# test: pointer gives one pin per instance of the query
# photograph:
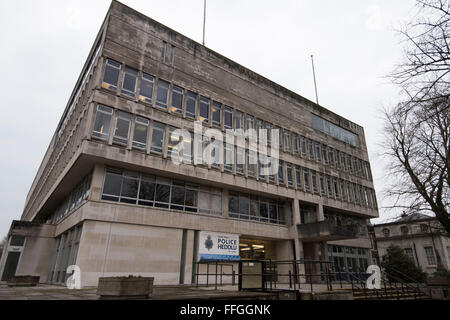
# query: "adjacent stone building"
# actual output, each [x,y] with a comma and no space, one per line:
[108,198]
[421,237]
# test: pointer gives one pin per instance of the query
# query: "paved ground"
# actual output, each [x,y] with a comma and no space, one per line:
[54,292]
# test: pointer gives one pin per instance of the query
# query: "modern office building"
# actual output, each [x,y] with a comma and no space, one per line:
[109,199]
[421,237]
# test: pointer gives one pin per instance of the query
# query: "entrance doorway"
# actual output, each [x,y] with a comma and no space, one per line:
[13,252]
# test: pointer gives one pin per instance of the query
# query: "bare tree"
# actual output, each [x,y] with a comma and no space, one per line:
[425,68]
[417,130]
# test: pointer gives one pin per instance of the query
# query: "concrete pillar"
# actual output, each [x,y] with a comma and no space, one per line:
[320,215]
[98,175]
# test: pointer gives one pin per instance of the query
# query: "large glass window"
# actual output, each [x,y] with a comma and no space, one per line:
[294,143]
[306,179]
[310,149]
[162,93]
[140,133]
[111,76]
[158,133]
[250,122]
[204,109]
[122,129]
[286,142]
[146,92]
[318,152]
[129,81]
[245,206]
[251,163]
[334,130]
[290,177]
[191,105]
[228,157]
[102,122]
[177,100]
[303,145]
[314,181]
[240,159]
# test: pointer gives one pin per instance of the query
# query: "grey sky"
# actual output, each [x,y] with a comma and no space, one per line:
[45,44]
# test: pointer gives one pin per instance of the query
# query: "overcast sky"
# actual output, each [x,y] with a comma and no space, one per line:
[44,45]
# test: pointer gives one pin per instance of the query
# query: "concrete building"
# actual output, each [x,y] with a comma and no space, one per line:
[420,236]
[108,198]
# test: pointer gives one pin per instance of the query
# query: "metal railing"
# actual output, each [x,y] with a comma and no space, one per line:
[309,275]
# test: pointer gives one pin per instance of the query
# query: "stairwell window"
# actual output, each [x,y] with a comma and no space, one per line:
[102,122]
[111,76]
[129,81]
[146,92]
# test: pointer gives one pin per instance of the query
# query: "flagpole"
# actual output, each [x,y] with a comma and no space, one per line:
[204,20]
[314,76]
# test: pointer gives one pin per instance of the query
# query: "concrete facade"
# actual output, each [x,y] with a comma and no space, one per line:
[107,237]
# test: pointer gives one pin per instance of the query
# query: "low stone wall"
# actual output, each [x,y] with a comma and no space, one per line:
[125,287]
[23,281]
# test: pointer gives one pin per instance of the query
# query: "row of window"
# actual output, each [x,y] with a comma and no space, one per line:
[249,207]
[152,191]
[79,193]
[236,159]
[177,100]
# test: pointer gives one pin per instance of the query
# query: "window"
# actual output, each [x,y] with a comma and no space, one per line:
[404,230]
[336,188]
[286,142]
[245,206]
[306,179]
[228,118]
[331,156]
[191,105]
[240,154]
[338,159]
[158,133]
[329,189]
[162,94]
[210,202]
[409,253]
[269,133]
[343,162]
[322,185]
[343,189]
[294,143]
[129,81]
[238,120]
[177,100]
[217,113]
[122,130]
[172,55]
[290,177]
[318,152]
[335,131]
[259,126]
[111,76]
[102,122]
[314,181]
[250,122]
[386,232]
[280,172]
[163,52]
[140,133]
[228,157]
[174,140]
[423,227]
[146,92]
[298,176]
[311,151]
[303,146]
[204,109]
[430,256]
[325,154]
[251,163]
